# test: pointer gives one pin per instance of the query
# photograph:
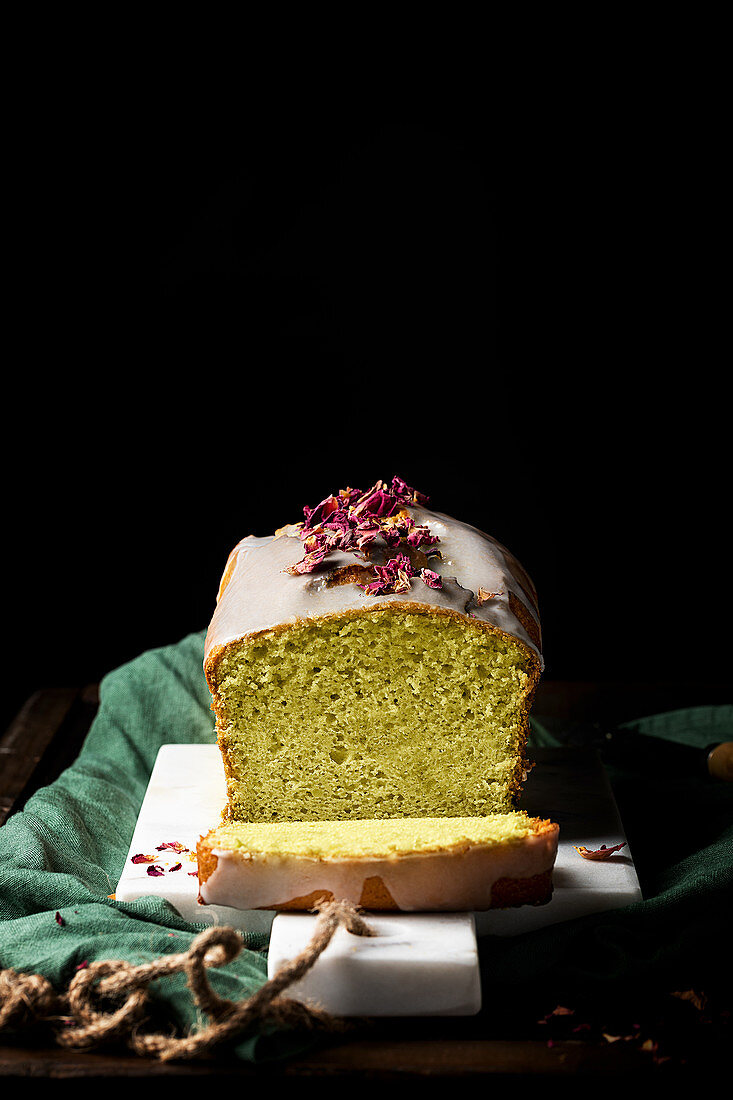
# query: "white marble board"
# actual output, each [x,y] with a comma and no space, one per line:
[184,799]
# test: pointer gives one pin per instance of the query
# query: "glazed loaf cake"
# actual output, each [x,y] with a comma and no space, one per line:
[377,660]
[372,670]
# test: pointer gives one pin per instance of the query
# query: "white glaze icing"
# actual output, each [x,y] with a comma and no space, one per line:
[431,881]
[260,594]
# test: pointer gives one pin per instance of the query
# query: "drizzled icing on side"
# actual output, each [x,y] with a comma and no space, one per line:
[418,882]
[479,579]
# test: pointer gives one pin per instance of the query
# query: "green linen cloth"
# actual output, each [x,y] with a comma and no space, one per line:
[64,852]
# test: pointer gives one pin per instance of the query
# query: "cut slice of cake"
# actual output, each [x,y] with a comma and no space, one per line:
[427,864]
[378,660]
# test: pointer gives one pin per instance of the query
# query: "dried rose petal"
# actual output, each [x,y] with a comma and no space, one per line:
[59,920]
[402,490]
[174,845]
[176,867]
[699,1000]
[140,858]
[351,520]
[421,536]
[155,870]
[394,534]
[560,1010]
[392,577]
[365,536]
[600,853]
[308,563]
[377,501]
[431,578]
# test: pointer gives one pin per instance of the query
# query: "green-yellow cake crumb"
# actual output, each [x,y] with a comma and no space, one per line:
[390,714]
[380,839]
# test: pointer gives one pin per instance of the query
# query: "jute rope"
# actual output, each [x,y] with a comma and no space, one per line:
[108,1001]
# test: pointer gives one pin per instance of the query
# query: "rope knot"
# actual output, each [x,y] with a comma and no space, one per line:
[23,997]
[109,999]
[334,911]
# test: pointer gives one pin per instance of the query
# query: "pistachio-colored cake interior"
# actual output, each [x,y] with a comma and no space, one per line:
[383,838]
[372,716]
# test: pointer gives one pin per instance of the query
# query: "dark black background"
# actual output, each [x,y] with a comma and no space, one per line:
[222,309]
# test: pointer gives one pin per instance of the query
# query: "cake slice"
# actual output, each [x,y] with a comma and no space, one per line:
[405,864]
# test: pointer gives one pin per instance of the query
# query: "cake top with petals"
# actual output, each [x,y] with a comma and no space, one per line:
[357,550]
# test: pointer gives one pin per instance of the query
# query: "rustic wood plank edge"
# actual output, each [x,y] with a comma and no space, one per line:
[32,750]
[361,1059]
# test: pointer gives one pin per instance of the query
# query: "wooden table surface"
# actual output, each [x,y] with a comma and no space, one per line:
[46,736]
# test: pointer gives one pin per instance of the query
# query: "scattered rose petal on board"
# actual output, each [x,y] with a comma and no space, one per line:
[599,853]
